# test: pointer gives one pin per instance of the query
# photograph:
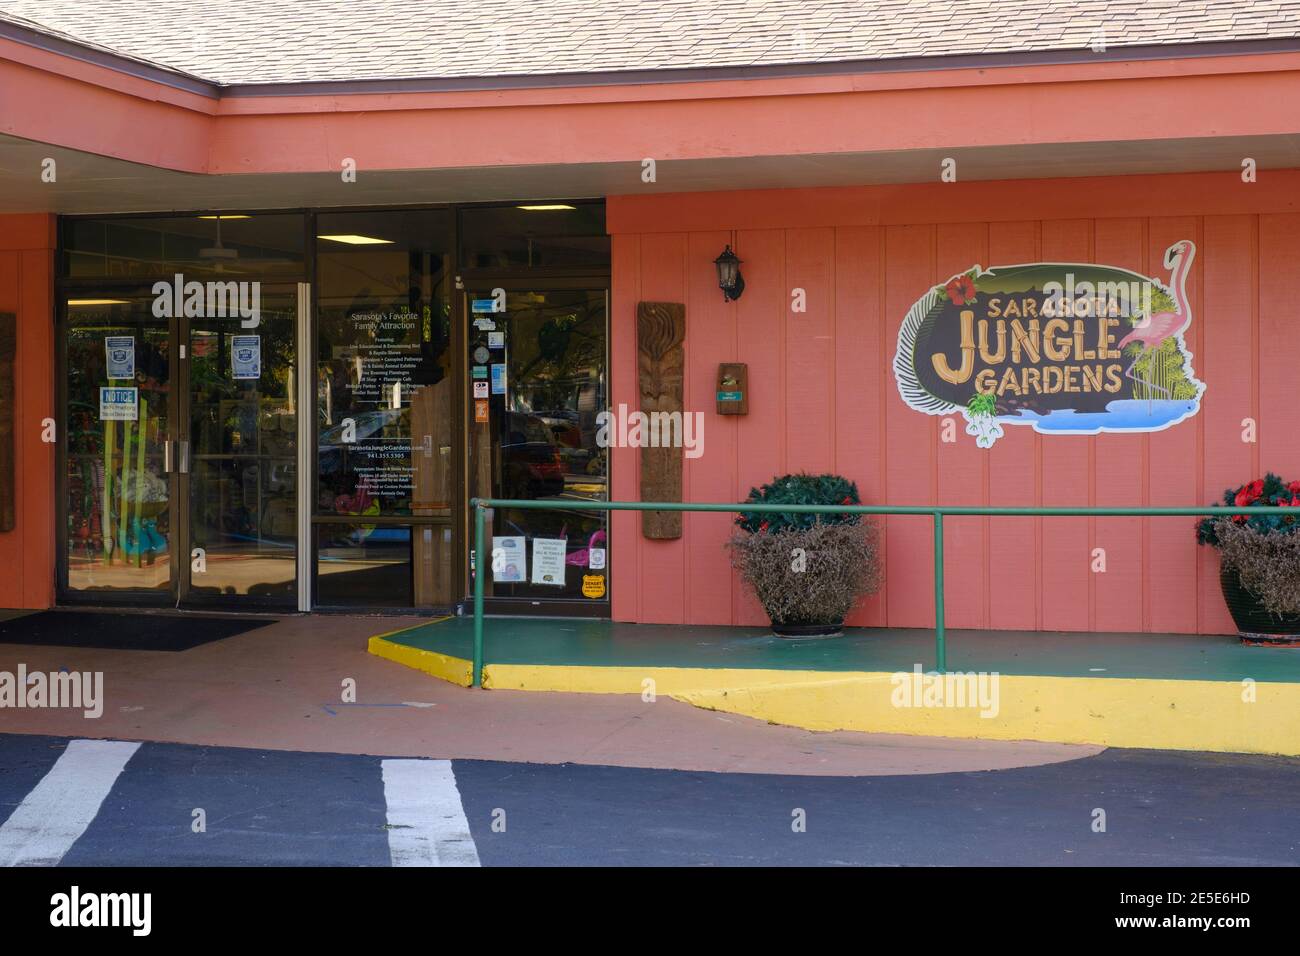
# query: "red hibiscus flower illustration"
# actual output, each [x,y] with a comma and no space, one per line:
[961,290]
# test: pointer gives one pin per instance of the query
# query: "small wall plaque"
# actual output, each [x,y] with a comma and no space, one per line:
[732,393]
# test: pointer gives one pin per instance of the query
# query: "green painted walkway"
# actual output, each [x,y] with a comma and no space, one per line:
[607,644]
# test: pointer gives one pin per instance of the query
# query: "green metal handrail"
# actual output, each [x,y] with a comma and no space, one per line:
[936,512]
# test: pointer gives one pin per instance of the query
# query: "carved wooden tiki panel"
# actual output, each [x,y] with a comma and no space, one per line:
[660,331]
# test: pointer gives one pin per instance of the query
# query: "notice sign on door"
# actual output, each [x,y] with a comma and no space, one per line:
[246,356]
[509,559]
[118,404]
[548,560]
[119,352]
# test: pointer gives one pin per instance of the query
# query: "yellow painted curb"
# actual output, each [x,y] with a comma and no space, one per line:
[1222,716]
[445,666]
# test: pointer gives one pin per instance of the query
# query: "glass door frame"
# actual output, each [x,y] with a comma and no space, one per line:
[180,458]
[65,286]
[467,282]
[178,520]
[183,589]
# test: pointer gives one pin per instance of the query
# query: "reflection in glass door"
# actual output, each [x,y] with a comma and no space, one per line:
[180,469]
[239,456]
[119,494]
[537,382]
[386,437]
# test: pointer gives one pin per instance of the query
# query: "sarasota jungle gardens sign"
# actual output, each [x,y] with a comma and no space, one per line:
[1069,348]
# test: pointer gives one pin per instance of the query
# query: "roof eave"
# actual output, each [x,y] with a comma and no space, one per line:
[31,34]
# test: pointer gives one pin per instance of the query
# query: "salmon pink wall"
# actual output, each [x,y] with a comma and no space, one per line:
[823,395]
[26,288]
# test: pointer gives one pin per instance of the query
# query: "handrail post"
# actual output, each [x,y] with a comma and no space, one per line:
[480,571]
[940,646]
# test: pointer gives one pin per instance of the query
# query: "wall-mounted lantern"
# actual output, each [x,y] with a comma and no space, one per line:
[730,281]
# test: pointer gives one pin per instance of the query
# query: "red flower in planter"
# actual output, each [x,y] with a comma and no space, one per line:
[961,290]
[763,526]
[1250,493]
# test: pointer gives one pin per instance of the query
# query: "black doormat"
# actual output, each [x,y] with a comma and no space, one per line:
[123,632]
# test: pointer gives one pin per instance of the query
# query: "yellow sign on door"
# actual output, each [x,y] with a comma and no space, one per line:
[593,585]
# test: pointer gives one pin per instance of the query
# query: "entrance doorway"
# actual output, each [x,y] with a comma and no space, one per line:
[325,459]
[180,460]
[536,363]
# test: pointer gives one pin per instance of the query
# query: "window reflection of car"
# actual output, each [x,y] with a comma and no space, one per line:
[331,447]
[531,466]
[566,432]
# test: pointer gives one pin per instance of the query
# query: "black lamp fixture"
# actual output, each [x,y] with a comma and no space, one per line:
[730,281]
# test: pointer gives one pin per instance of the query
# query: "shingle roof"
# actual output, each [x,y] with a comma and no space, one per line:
[232,42]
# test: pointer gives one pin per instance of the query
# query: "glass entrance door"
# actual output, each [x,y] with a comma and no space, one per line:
[537,374]
[120,485]
[180,458]
[241,463]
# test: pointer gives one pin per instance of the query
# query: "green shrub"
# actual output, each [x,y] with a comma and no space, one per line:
[801,489]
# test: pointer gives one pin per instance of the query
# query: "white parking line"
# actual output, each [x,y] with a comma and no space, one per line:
[426,821]
[60,808]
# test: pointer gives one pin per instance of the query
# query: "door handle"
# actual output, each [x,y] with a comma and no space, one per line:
[183,456]
[428,446]
[167,456]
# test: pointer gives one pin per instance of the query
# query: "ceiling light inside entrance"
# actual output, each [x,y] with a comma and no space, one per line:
[358,240]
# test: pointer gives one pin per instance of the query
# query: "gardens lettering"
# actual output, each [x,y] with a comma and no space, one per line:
[1023,334]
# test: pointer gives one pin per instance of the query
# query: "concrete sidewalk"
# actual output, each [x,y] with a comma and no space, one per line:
[280,688]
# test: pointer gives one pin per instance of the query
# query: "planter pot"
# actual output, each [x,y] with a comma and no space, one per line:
[808,630]
[1255,625]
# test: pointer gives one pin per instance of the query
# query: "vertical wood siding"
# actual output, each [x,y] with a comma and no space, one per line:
[823,397]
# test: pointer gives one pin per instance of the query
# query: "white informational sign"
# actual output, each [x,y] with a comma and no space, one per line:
[509,559]
[118,404]
[480,389]
[496,340]
[246,356]
[548,560]
[119,350]
[596,559]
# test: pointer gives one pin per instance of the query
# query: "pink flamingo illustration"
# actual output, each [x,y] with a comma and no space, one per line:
[582,557]
[1152,331]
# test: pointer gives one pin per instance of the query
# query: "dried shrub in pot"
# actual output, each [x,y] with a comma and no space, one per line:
[807,568]
[1267,563]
